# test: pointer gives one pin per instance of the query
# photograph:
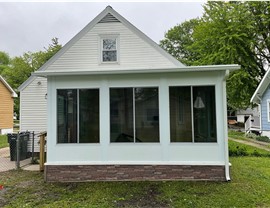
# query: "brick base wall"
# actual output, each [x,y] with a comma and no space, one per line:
[76,173]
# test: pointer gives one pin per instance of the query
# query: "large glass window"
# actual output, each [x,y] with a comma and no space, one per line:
[78,116]
[134,115]
[195,114]
[180,114]
[89,115]
[204,114]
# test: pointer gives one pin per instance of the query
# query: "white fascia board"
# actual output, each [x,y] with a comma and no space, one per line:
[138,71]
[13,93]
[256,97]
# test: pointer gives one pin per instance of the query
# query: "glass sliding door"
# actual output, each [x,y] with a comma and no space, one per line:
[180,114]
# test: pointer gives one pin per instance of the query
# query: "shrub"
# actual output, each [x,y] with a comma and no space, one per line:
[263,138]
[251,136]
[237,151]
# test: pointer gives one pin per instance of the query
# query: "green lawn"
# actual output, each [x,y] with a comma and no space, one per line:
[3,141]
[250,187]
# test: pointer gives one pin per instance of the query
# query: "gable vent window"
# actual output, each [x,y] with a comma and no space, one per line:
[109,50]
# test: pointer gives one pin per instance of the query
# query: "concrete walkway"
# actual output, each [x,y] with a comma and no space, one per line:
[6,164]
[258,144]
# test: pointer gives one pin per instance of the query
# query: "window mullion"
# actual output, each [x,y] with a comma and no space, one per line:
[192,113]
[78,116]
[134,120]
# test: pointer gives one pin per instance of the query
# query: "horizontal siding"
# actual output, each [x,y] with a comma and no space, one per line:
[135,53]
[265,97]
[33,112]
[6,108]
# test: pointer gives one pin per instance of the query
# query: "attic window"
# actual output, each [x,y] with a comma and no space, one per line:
[109,50]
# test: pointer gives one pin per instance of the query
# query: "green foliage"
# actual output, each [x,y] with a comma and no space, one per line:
[238,149]
[251,135]
[249,187]
[263,139]
[19,69]
[227,33]
[3,141]
[4,61]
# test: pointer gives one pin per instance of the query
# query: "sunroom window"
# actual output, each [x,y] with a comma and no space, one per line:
[77,116]
[134,114]
[193,114]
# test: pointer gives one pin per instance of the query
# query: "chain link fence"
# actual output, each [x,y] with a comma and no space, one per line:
[22,150]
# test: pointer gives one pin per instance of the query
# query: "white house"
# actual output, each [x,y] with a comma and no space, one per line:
[121,108]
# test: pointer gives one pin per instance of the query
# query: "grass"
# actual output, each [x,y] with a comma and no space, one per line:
[238,149]
[250,187]
[3,141]
[237,135]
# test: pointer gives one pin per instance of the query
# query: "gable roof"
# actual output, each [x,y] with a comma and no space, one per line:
[107,15]
[257,95]
[13,93]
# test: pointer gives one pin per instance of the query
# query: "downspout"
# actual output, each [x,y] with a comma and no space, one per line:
[225,133]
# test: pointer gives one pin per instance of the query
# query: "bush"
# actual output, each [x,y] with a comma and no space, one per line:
[237,151]
[251,136]
[263,138]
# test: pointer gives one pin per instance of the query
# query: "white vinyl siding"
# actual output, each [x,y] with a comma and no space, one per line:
[33,108]
[134,52]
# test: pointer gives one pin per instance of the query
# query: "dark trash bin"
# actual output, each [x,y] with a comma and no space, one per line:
[23,141]
[12,140]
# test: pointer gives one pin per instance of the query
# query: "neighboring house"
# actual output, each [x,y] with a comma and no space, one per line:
[7,95]
[261,96]
[121,108]
[243,115]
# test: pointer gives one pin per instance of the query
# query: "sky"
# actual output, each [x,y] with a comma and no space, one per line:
[31,26]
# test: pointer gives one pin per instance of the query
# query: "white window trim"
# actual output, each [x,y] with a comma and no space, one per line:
[268,110]
[109,36]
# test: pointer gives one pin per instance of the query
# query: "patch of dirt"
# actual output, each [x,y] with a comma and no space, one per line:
[148,199]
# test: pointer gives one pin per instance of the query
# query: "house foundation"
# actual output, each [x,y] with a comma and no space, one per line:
[79,173]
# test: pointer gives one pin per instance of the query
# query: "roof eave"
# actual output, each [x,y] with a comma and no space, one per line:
[136,71]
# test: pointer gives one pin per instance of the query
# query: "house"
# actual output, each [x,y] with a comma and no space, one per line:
[261,97]
[121,108]
[7,95]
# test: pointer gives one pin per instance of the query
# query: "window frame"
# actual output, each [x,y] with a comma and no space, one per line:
[192,114]
[109,36]
[78,116]
[268,109]
[134,115]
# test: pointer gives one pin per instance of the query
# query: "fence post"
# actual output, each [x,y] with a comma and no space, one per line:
[18,151]
[33,146]
[42,150]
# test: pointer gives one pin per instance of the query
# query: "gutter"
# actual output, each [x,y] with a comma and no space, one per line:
[225,133]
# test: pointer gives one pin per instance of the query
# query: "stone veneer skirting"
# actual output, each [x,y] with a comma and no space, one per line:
[78,173]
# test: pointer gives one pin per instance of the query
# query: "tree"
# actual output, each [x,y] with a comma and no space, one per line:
[4,61]
[233,33]
[20,68]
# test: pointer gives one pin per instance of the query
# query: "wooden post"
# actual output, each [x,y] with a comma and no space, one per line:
[42,150]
